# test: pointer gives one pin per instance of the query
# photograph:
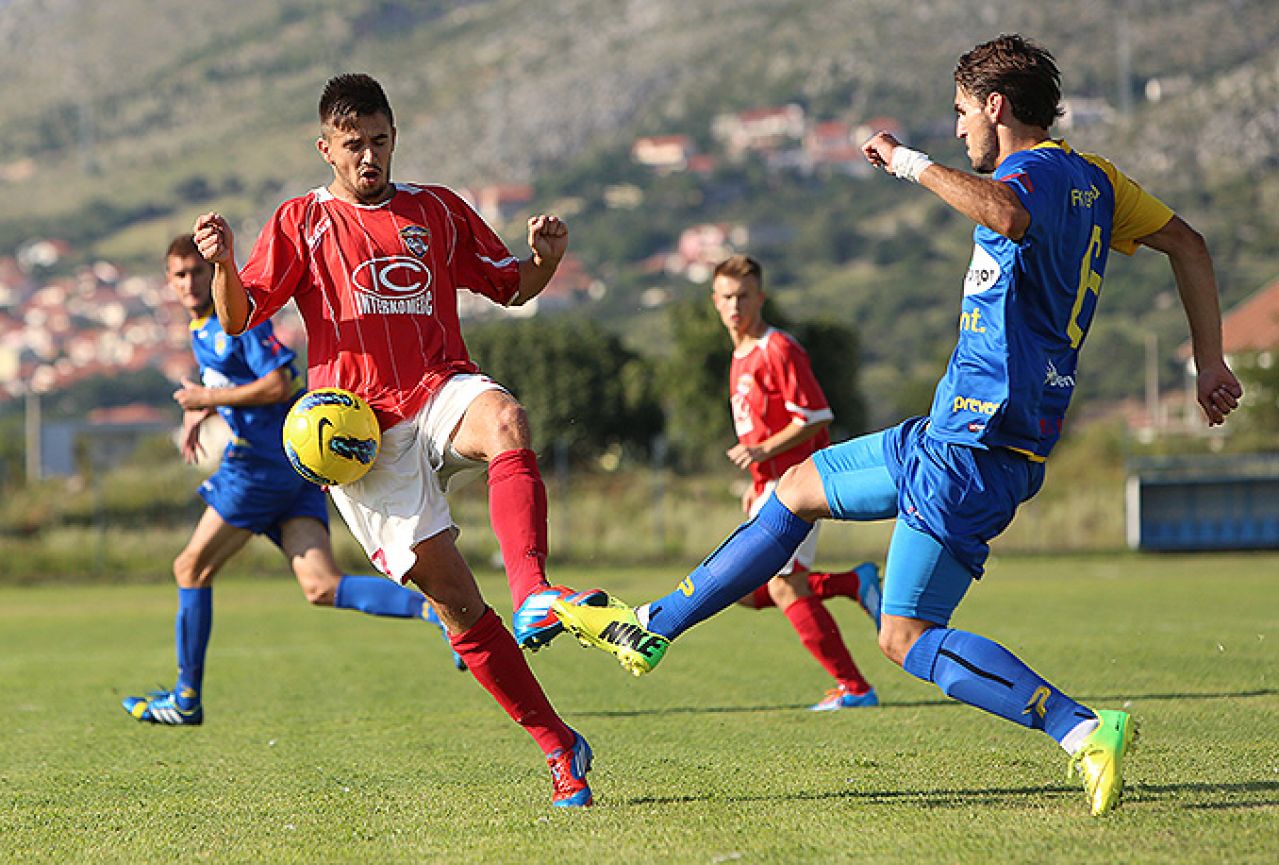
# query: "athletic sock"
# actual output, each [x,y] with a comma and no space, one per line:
[378,596]
[192,627]
[1071,741]
[762,599]
[820,635]
[498,664]
[982,673]
[517,510]
[844,584]
[744,562]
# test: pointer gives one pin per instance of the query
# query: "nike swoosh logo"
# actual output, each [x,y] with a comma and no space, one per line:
[319,431]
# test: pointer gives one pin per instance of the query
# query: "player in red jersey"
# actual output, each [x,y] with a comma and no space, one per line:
[781,417]
[374,268]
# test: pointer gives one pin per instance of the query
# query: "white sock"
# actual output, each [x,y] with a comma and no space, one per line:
[1071,741]
[641,613]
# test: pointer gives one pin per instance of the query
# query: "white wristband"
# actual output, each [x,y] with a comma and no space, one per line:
[909,164]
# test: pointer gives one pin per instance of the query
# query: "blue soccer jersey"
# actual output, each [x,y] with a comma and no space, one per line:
[227,361]
[1028,304]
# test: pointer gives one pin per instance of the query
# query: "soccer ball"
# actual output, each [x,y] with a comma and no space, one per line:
[331,436]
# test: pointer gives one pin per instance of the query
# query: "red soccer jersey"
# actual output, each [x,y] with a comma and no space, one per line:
[771,384]
[377,287]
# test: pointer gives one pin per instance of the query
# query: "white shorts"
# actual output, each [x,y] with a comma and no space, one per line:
[401,501]
[806,552]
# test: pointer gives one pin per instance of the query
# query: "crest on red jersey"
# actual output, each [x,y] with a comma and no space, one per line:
[416,239]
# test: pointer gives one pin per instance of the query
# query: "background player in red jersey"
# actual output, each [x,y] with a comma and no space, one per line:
[781,416]
[374,268]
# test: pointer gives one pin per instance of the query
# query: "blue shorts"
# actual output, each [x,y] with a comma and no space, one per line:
[260,499]
[949,500]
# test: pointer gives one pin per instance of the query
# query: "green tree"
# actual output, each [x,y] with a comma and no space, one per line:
[693,384]
[579,384]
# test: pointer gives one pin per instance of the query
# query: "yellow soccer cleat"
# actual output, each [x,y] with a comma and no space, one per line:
[615,630]
[1100,760]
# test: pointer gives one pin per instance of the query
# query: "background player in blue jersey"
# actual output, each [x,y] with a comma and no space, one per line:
[251,381]
[953,480]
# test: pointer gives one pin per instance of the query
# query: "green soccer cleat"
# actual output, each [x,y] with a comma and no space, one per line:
[1100,760]
[614,629]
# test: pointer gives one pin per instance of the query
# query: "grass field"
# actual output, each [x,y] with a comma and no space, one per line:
[333,737]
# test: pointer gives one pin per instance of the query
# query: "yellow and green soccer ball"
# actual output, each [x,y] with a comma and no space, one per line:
[331,436]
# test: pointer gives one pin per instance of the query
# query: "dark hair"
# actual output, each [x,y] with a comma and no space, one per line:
[1024,72]
[183,246]
[740,267]
[350,96]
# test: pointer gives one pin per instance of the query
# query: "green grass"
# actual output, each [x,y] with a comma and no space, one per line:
[333,737]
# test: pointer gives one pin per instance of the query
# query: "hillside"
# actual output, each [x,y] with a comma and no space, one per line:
[121,121]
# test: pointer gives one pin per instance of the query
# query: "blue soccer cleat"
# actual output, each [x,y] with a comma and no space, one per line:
[535,623]
[166,707]
[428,613]
[842,698]
[568,774]
[868,592]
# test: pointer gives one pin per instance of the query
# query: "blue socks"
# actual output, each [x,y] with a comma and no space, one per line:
[191,632]
[378,596]
[748,559]
[982,673]
[374,595]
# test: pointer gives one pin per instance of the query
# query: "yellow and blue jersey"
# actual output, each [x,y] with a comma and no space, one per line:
[227,361]
[1028,304]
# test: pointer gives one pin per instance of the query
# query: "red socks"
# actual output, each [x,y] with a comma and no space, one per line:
[763,600]
[517,509]
[845,584]
[498,664]
[820,635]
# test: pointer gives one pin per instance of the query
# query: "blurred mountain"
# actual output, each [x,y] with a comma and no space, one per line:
[121,121]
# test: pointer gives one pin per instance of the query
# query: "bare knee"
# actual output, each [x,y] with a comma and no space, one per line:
[800,490]
[510,427]
[897,634]
[321,590]
[187,571]
[786,590]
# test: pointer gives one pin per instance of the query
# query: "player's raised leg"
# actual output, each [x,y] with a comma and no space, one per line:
[749,557]
[492,656]
[211,545]
[746,560]
[495,429]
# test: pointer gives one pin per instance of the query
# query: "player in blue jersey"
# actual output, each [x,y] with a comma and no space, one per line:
[953,480]
[251,381]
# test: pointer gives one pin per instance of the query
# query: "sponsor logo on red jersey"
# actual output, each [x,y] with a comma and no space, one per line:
[393,285]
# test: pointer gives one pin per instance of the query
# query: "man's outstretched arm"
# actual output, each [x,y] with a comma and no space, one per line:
[986,202]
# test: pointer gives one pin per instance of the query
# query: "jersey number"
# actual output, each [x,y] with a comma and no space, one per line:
[1089,280]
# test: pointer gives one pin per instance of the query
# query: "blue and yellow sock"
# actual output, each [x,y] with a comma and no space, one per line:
[744,562]
[982,673]
[378,596]
[192,627]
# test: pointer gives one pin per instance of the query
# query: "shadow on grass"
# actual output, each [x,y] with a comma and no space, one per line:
[1097,700]
[1242,795]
